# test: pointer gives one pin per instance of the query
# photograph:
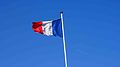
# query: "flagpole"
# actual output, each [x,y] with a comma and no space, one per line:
[65,52]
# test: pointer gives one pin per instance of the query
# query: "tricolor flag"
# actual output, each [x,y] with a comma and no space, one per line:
[49,28]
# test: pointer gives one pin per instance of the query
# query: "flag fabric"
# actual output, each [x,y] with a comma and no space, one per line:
[48,28]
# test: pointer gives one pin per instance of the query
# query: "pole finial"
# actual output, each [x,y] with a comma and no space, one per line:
[61,12]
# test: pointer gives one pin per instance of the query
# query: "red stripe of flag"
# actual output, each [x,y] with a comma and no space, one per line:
[37,27]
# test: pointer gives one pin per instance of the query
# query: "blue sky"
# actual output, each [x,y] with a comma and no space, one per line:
[92,30]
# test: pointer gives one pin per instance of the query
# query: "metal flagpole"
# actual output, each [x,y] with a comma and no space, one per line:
[65,56]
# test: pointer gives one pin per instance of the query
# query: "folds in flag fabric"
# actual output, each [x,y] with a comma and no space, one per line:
[48,28]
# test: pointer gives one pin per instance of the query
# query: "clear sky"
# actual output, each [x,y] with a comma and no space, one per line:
[92,30]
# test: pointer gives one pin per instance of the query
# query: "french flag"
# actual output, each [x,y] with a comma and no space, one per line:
[49,28]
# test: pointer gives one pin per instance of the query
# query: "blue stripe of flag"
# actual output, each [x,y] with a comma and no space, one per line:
[57,28]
